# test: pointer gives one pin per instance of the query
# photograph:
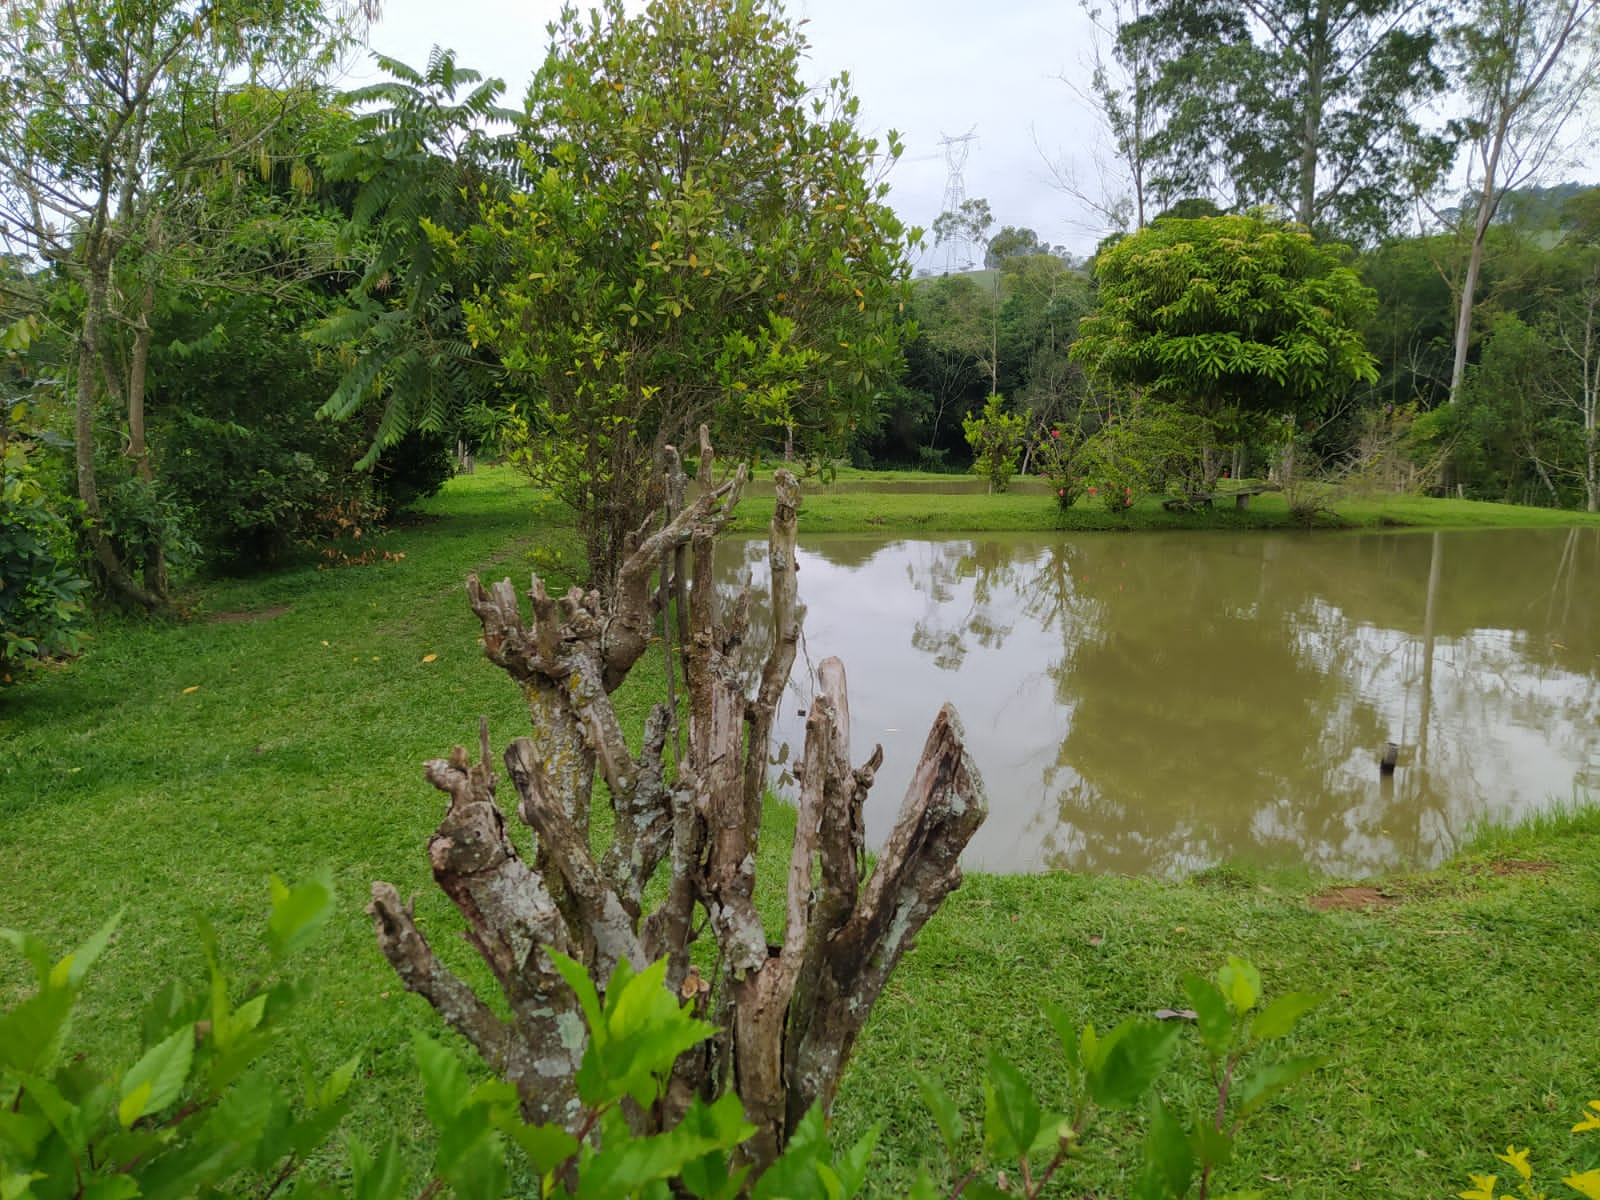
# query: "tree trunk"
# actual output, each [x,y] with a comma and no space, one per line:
[789,1012]
[97,284]
[1311,130]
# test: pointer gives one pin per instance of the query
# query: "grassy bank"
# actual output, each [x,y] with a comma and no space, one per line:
[851,504]
[281,724]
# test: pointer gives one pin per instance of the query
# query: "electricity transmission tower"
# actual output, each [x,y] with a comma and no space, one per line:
[957,250]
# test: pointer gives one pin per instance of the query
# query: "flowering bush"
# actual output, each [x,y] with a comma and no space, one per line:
[1060,462]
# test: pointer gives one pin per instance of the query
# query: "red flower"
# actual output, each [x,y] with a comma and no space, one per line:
[1055,433]
[1092,491]
[1061,491]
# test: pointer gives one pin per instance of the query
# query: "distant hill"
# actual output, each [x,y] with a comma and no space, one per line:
[1532,208]
[1539,207]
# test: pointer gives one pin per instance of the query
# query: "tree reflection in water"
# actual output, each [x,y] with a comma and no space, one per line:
[1158,703]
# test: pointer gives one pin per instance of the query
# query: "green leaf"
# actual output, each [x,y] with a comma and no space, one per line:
[1213,1016]
[1240,984]
[1011,1114]
[30,1033]
[643,1030]
[945,1114]
[157,1079]
[338,1083]
[245,1112]
[1269,1081]
[852,1167]
[1212,1146]
[480,1174]
[794,1175]
[1168,1156]
[70,970]
[376,1177]
[625,1165]
[444,1080]
[1128,1060]
[1280,1017]
[583,987]
[712,1176]
[298,913]
[21,1133]
[546,1147]
[239,1022]
[1066,1032]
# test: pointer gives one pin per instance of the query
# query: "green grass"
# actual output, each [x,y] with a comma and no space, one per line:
[1459,1018]
[844,507]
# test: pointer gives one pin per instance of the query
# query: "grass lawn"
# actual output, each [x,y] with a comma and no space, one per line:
[845,506]
[281,723]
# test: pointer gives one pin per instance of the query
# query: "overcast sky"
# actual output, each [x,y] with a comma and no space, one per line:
[923,67]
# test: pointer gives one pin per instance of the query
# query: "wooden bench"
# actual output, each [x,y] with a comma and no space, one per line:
[1240,496]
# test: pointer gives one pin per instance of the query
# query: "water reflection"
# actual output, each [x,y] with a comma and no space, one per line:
[1161,702]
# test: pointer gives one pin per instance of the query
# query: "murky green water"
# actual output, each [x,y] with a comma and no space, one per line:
[1163,702]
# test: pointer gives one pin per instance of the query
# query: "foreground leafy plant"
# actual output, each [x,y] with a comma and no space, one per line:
[197,1108]
[1118,1071]
[200,1114]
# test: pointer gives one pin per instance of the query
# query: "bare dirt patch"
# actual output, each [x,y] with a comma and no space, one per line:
[1518,866]
[1352,899]
[245,615]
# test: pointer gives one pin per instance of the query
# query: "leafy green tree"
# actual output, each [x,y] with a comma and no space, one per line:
[110,114]
[704,238]
[1313,106]
[996,439]
[965,230]
[40,591]
[1012,242]
[1529,67]
[433,148]
[1230,318]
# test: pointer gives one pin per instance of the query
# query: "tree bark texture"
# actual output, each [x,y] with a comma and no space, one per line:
[789,1007]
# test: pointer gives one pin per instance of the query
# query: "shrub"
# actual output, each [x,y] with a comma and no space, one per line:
[996,440]
[1060,458]
[195,1110]
[40,591]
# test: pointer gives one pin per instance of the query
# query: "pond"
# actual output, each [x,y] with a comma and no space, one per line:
[1158,703]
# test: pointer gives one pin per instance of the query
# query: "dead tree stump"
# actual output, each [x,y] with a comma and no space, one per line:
[789,1006]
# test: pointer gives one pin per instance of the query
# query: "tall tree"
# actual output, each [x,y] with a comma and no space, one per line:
[1312,106]
[1125,87]
[109,113]
[706,238]
[1528,67]
[436,147]
[1232,319]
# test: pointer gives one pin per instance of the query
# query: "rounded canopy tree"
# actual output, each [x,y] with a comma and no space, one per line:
[705,238]
[1232,318]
